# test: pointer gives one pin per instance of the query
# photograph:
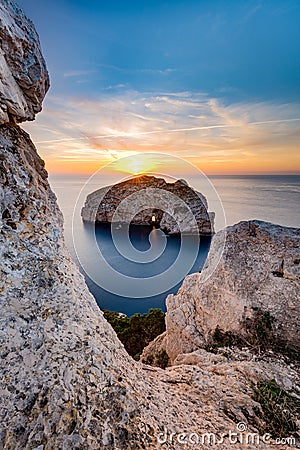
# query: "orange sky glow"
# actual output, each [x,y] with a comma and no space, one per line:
[79,136]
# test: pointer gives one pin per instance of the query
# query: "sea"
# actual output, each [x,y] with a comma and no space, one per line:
[133,285]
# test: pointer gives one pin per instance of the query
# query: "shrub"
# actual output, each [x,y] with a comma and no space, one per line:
[222,338]
[160,359]
[257,334]
[259,330]
[137,331]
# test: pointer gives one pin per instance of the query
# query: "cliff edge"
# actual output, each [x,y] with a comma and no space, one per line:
[24,79]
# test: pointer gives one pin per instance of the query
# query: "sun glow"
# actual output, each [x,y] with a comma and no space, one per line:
[137,164]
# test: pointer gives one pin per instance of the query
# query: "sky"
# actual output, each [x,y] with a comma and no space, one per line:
[214,82]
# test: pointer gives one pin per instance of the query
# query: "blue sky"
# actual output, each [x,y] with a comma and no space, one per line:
[226,60]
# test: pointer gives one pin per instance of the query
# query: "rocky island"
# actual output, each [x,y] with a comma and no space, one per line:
[180,199]
[66,381]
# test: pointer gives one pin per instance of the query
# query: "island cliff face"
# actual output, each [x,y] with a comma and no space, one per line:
[66,381]
[101,205]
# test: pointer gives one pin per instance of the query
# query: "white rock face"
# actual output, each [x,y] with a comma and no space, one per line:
[259,271]
[66,381]
[24,79]
[176,206]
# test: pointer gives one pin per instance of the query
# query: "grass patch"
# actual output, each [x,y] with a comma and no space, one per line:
[280,410]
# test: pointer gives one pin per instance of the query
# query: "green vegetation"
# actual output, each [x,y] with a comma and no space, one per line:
[161,359]
[222,339]
[137,331]
[257,334]
[280,410]
[259,330]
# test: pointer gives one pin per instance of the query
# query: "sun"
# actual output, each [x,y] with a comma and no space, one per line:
[138,164]
[138,167]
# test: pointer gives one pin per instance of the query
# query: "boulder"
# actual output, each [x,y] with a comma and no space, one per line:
[254,289]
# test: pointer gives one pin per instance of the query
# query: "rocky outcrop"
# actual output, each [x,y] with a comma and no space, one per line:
[66,381]
[147,200]
[24,79]
[257,279]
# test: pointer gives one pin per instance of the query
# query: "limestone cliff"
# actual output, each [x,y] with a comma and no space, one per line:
[258,277]
[66,381]
[24,79]
[173,204]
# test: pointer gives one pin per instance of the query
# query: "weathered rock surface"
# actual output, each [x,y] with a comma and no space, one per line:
[66,381]
[24,79]
[259,272]
[177,208]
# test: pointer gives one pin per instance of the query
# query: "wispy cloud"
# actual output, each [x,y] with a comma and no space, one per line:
[115,86]
[215,135]
[77,73]
[251,12]
[138,70]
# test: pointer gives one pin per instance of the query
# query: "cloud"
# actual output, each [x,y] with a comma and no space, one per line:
[150,71]
[115,86]
[191,125]
[251,12]
[167,71]
[77,73]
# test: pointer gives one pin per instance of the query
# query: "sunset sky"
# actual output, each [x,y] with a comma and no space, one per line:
[214,82]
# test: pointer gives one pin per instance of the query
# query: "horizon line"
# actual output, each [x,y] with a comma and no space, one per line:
[186,174]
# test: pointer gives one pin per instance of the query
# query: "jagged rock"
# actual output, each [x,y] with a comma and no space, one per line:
[24,78]
[66,381]
[169,203]
[258,273]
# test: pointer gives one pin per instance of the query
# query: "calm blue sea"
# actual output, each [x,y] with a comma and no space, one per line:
[273,198]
